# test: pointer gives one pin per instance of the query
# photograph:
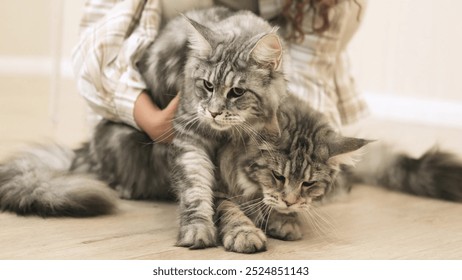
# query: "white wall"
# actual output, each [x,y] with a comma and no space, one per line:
[407,59]
[37,37]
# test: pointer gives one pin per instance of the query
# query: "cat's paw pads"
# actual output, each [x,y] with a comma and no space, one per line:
[245,239]
[285,230]
[197,236]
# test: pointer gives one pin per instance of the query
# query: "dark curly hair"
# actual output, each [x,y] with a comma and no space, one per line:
[294,11]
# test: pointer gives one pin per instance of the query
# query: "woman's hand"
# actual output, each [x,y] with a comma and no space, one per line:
[155,122]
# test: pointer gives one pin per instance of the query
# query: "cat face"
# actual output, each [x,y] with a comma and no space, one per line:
[236,79]
[290,182]
[300,165]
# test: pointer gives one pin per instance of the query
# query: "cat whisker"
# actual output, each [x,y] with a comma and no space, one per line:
[147,143]
[228,212]
[321,225]
[171,131]
[187,125]
[252,209]
[255,210]
[261,217]
[251,203]
[241,137]
[164,136]
[254,135]
[167,134]
[258,139]
[267,219]
[311,222]
[224,216]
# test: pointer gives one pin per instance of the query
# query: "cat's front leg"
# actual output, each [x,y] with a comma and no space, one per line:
[194,179]
[237,232]
[284,226]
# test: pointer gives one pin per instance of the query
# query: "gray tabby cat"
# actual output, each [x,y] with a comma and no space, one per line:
[227,68]
[270,186]
[231,85]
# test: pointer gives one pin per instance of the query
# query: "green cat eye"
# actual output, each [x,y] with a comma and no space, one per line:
[208,86]
[278,176]
[236,92]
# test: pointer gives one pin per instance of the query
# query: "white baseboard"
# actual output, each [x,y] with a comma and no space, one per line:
[426,111]
[32,66]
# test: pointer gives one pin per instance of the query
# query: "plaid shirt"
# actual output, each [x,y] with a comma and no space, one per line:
[114,34]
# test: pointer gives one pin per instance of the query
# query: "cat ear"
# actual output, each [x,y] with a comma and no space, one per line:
[199,37]
[345,151]
[268,51]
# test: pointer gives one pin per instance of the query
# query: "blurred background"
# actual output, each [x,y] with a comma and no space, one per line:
[406,58]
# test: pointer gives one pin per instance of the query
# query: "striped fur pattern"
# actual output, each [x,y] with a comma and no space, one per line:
[227,69]
[125,159]
[230,80]
[56,181]
[275,183]
[435,174]
[37,182]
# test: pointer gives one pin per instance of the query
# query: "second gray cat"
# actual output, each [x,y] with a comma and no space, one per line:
[268,187]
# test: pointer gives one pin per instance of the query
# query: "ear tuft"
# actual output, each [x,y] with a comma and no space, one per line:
[350,159]
[268,51]
[345,151]
[198,37]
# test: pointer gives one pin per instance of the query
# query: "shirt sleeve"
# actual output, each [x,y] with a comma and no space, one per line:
[113,36]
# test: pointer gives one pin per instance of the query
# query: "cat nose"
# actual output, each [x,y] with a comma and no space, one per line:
[289,203]
[214,114]
[290,199]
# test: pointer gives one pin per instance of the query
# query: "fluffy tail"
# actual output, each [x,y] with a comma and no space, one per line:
[435,174]
[38,181]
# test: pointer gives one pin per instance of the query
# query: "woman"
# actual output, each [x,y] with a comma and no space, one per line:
[114,34]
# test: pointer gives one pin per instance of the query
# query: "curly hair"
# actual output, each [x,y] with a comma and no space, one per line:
[294,11]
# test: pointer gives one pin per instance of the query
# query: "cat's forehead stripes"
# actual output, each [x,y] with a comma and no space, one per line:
[300,164]
[308,172]
[297,167]
[223,75]
[229,76]
[229,56]
[304,166]
[287,169]
[217,54]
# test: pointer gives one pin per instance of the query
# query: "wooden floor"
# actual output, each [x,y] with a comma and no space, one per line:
[368,223]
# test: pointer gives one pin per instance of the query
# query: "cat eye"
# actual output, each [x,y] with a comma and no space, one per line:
[236,92]
[208,86]
[278,176]
[317,192]
[308,184]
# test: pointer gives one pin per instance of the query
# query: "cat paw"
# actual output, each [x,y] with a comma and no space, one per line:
[245,239]
[197,236]
[285,230]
